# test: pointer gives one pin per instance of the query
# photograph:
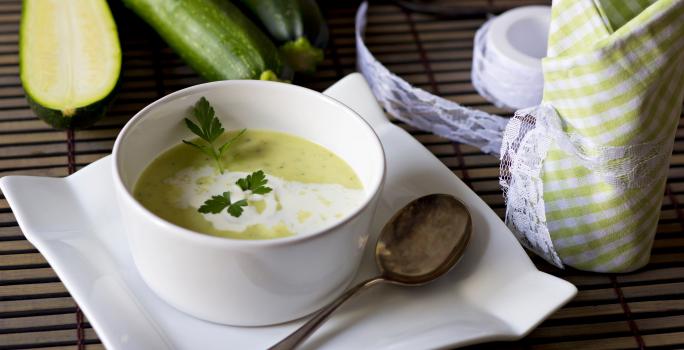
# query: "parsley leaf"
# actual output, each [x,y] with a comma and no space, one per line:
[216,204]
[255,182]
[208,128]
[235,209]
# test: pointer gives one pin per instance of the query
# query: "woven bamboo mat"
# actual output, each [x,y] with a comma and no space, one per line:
[641,309]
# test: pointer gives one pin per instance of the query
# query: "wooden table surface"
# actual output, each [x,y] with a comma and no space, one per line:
[641,309]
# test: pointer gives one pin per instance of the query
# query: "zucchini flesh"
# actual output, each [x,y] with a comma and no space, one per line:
[70,59]
[297,25]
[213,37]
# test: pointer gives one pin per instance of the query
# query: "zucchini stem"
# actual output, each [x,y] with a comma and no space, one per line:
[301,55]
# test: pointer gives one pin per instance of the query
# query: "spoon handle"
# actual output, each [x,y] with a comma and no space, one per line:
[301,334]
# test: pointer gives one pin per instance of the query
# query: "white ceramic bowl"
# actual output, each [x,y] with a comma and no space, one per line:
[243,282]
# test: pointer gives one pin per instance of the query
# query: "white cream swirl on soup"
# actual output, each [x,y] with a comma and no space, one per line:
[301,207]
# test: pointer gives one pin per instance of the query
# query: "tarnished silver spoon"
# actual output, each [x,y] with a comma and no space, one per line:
[420,243]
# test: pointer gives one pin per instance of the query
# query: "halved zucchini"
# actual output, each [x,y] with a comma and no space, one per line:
[70,60]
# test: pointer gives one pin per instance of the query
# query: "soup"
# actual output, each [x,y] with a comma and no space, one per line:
[311,187]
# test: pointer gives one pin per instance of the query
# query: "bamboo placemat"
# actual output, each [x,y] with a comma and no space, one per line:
[642,309]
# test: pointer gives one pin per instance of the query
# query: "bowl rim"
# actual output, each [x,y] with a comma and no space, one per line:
[204,238]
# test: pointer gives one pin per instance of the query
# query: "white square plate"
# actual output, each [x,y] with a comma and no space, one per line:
[494,293]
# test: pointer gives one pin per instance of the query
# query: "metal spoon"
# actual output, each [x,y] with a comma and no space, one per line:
[422,242]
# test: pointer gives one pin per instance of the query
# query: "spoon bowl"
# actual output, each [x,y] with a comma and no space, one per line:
[420,243]
[424,240]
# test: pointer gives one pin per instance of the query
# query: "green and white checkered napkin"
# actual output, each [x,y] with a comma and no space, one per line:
[584,173]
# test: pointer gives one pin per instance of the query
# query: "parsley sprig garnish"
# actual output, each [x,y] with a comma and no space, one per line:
[216,204]
[256,183]
[209,128]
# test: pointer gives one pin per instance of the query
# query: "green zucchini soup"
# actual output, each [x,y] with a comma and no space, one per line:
[266,184]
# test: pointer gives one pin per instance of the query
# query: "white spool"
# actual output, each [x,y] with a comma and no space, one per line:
[507,56]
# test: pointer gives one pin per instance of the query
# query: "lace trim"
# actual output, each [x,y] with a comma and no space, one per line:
[525,144]
[422,109]
[523,150]
[503,82]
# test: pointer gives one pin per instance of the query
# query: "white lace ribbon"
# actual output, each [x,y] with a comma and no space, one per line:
[523,150]
[422,109]
[502,81]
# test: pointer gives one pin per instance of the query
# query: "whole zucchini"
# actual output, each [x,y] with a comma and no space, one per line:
[297,25]
[213,37]
[70,60]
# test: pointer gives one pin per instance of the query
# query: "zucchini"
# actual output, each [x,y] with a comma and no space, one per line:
[213,37]
[70,60]
[297,25]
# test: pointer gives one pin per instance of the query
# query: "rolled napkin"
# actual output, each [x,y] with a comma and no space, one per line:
[584,172]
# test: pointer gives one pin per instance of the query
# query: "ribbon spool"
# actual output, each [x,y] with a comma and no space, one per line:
[507,56]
